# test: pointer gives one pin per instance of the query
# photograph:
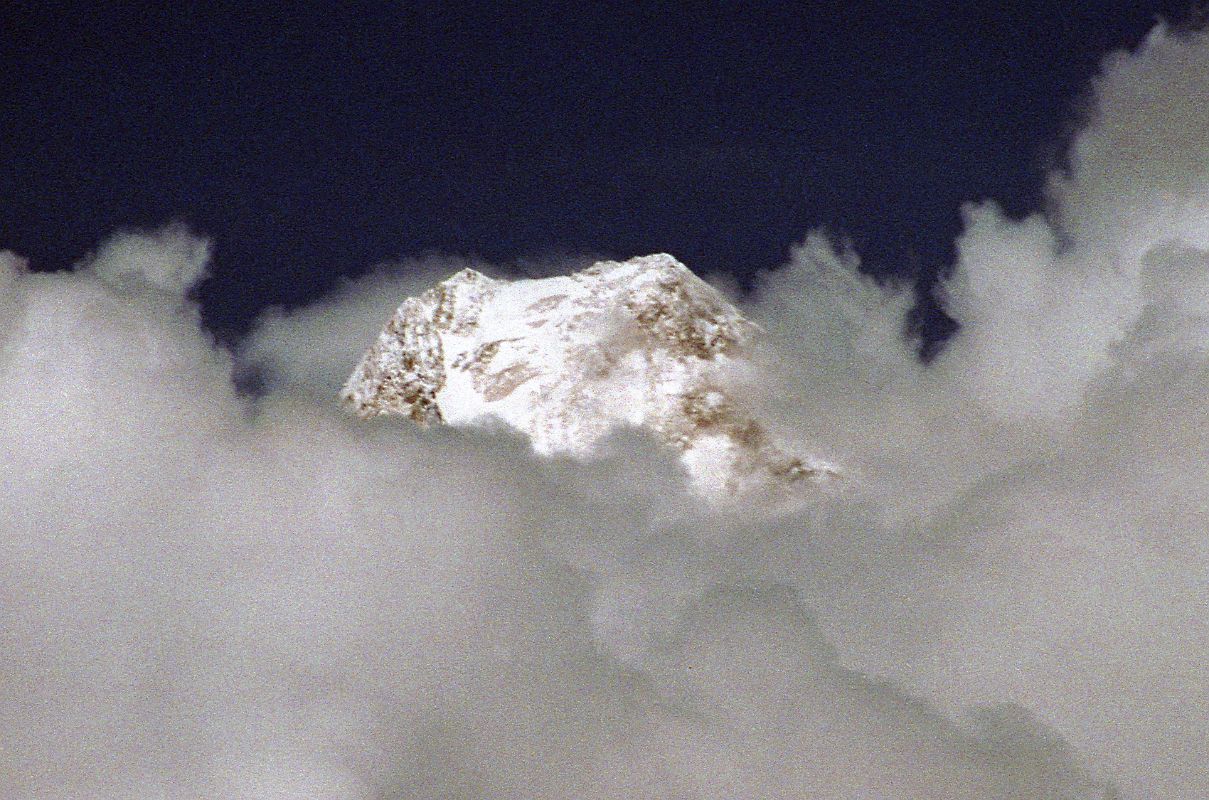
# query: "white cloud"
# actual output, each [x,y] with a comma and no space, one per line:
[169,260]
[209,596]
[1030,527]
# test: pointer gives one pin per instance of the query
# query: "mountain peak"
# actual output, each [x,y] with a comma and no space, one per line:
[643,343]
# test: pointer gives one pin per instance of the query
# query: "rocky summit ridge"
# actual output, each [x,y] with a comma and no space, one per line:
[643,342]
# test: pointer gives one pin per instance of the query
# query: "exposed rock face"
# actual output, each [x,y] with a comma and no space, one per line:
[642,342]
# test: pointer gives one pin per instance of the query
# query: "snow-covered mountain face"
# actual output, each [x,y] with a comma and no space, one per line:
[643,343]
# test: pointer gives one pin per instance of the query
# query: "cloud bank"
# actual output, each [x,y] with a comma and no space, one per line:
[209,594]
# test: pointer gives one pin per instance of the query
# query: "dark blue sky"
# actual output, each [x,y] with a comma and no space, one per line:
[313,140]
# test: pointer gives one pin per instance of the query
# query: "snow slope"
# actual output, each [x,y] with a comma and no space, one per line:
[643,343]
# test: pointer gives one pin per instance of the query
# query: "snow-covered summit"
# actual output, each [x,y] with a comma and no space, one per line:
[643,342]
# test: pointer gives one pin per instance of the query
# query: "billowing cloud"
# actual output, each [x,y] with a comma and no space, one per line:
[206,594]
[1030,524]
[210,596]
